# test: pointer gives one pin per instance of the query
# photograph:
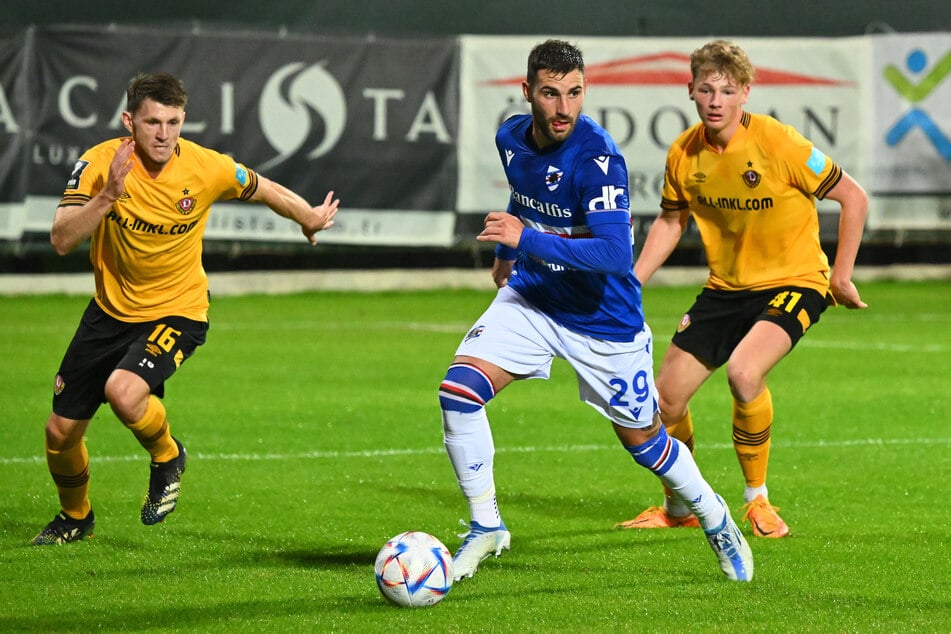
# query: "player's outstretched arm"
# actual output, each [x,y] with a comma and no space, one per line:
[854,201]
[285,202]
[661,240]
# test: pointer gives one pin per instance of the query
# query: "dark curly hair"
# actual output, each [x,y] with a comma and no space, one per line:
[556,56]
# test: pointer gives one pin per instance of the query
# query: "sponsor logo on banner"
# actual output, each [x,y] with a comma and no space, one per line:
[296,100]
[915,83]
[912,148]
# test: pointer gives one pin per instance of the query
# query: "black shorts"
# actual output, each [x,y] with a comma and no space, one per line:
[152,349]
[718,320]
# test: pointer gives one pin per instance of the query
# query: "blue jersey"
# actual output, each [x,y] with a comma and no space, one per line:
[575,259]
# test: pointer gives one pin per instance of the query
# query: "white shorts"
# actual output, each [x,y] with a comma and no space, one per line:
[615,378]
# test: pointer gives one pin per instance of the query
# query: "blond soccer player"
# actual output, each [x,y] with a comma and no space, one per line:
[751,184]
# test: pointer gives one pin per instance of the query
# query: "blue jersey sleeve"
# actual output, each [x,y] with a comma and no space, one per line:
[608,250]
[503,252]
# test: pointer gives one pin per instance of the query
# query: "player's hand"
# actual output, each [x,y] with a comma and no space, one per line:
[119,168]
[503,228]
[322,217]
[846,294]
[502,271]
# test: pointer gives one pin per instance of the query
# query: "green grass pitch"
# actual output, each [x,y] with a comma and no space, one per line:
[314,435]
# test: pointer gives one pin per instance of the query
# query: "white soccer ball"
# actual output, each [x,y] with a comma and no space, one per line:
[414,569]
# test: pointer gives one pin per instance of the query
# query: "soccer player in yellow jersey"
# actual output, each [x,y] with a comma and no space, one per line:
[751,185]
[143,201]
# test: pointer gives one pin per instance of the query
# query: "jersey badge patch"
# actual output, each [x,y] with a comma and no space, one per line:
[241,175]
[752,178]
[185,205]
[553,178]
[604,162]
[59,385]
[474,333]
[684,323]
[509,155]
[76,174]
[817,161]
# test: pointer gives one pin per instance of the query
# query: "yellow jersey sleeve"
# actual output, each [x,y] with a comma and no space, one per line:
[754,203]
[146,251]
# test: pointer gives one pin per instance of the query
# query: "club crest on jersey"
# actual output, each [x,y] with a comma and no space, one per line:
[59,385]
[185,205]
[553,178]
[684,323]
[751,178]
[474,333]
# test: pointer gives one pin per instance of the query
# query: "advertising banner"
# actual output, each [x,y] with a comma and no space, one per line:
[373,120]
[402,130]
[911,171]
[12,102]
[637,89]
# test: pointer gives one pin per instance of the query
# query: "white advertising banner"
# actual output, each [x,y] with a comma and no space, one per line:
[638,91]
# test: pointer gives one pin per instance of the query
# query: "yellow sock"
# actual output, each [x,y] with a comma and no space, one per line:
[682,430]
[751,428]
[70,471]
[153,433]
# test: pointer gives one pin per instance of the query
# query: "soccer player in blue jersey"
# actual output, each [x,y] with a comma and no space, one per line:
[564,268]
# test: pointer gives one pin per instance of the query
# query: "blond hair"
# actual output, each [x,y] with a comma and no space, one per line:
[724,58]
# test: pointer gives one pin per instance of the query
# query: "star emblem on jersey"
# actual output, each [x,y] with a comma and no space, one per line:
[185,205]
[553,177]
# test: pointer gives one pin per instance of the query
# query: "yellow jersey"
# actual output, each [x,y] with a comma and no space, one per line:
[754,203]
[146,251]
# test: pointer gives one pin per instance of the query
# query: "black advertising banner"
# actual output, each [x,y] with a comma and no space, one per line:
[13,109]
[374,120]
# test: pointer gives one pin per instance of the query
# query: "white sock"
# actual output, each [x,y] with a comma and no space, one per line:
[684,479]
[751,492]
[675,507]
[468,441]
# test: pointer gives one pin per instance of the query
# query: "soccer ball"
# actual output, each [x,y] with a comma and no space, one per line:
[414,569]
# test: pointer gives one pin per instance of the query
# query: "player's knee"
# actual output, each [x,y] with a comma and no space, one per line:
[744,384]
[62,433]
[127,394]
[465,389]
[671,411]
[672,406]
